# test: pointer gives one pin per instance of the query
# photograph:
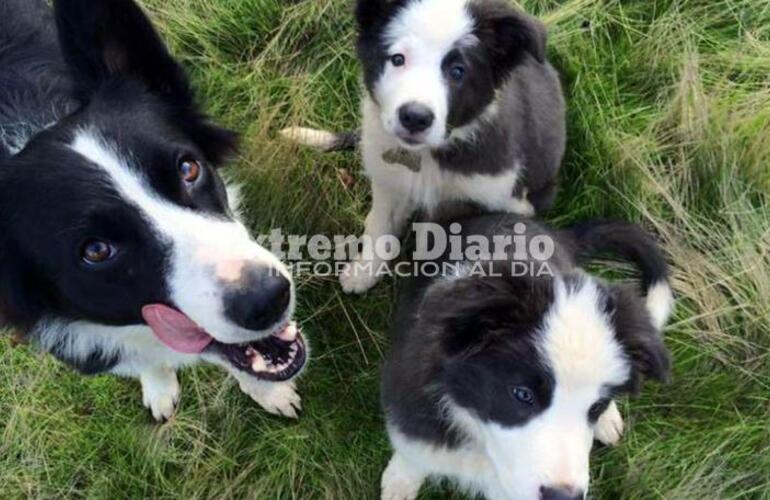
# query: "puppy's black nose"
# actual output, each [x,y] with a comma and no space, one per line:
[258,300]
[560,493]
[415,117]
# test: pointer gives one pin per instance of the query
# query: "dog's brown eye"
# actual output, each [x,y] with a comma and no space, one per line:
[189,170]
[97,251]
[398,59]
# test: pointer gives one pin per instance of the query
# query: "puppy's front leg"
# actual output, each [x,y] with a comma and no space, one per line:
[391,209]
[401,480]
[609,428]
[160,391]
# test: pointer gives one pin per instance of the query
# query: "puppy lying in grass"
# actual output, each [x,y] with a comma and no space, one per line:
[501,381]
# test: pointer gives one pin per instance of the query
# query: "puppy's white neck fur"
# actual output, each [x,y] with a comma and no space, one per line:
[439,22]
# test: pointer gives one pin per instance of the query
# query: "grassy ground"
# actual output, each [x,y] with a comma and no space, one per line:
[669,126]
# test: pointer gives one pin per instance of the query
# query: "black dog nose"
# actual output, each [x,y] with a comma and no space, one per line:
[259,298]
[415,117]
[560,493]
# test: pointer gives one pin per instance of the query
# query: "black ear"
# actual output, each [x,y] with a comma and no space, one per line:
[216,143]
[508,35]
[471,310]
[369,12]
[109,39]
[104,39]
[640,339]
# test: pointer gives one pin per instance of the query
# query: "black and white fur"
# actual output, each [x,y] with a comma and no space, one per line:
[465,87]
[96,122]
[502,383]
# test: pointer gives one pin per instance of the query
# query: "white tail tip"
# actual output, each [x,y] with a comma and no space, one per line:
[314,138]
[660,303]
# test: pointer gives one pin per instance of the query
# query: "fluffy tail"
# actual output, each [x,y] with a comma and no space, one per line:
[322,140]
[631,243]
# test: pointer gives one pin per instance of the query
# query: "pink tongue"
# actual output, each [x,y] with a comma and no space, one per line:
[175,329]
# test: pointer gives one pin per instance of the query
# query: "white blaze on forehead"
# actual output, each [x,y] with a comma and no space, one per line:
[424,32]
[205,250]
[579,341]
[171,220]
[438,23]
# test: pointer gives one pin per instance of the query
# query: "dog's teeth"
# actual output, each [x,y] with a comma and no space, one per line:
[288,334]
[258,363]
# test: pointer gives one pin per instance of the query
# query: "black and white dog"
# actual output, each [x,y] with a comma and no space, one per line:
[501,380]
[119,251]
[460,104]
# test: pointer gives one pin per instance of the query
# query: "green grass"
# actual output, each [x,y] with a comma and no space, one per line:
[669,126]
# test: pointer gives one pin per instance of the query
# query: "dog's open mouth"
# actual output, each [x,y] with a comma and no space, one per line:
[276,357]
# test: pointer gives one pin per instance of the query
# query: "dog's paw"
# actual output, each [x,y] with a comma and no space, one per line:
[398,482]
[609,428]
[358,277]
[160,393]
[521,206]
[278,398]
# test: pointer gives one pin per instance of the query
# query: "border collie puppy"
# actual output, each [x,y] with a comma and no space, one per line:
[460,104]
[501,382]
[119,252]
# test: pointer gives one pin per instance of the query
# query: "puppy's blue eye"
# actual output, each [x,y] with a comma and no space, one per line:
[457,73]
[523,395]
[398,59]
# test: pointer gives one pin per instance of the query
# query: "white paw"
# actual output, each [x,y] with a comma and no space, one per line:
[278,398]
[160,393]
[399,483]
[358,277]
[521,206]
[609,428]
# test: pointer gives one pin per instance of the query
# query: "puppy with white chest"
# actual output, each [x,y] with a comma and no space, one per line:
[119,250]
[460,104]
[501,381]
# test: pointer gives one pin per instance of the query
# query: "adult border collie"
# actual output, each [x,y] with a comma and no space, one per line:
[501,380]
[118,250]
[460,104]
